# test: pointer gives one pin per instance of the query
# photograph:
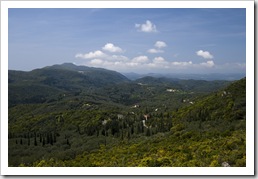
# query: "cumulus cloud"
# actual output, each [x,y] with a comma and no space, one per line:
[117,58]
[96,62]
[209,63]
[140,59]
[204,54]
[159,63]
[90,55]
[142,63]
[160,44]
[112,48]
[182,63]
[147,27]
[159,60]
[153,50]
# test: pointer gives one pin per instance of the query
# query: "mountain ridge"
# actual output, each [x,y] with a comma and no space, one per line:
[68,78]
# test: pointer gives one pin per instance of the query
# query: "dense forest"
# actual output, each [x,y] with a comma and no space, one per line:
[76,116]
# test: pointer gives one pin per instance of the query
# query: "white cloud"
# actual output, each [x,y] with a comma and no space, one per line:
[142,63]
[159,60]
[140,59]
[96,62]
[79,55]
[152,50]
[209,63]
[112,48]
[117,58]
[204,54]
[132,64]
[148,27]
[159,63]
[90,55]
[182,63]
[160,44]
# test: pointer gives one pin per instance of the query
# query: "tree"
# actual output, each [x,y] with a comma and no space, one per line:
[51,139]
[48,138]
[128,134]
[54,138]
[35,141]
[43,142]
[67,142]
[148,132]
[132,130]
[122,134]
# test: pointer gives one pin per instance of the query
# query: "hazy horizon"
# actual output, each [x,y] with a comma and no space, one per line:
[176,75]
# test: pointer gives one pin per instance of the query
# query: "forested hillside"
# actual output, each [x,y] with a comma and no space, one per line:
[67,115]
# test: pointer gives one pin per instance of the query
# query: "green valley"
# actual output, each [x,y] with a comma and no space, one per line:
[77,116]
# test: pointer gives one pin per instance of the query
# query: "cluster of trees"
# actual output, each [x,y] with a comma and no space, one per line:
[68,130]
[126,126]
[34,138]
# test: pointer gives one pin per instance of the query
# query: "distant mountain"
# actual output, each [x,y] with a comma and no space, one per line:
[46,84]
[135,76]
[188,85]
[154,80]
[207,77]
[96,76]
[40,84]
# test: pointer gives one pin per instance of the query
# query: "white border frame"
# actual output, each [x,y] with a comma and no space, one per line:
[248,170]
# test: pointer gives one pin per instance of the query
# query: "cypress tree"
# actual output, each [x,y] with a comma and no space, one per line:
[97,132]
[51,138]
[148,132]
[54,138]
[43,142]
[35,141]
[138,128]
[122,135]
[128,134]
[67,142]
[132,130]
[48,138]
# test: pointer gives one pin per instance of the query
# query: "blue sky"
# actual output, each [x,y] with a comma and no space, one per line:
[130,40]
